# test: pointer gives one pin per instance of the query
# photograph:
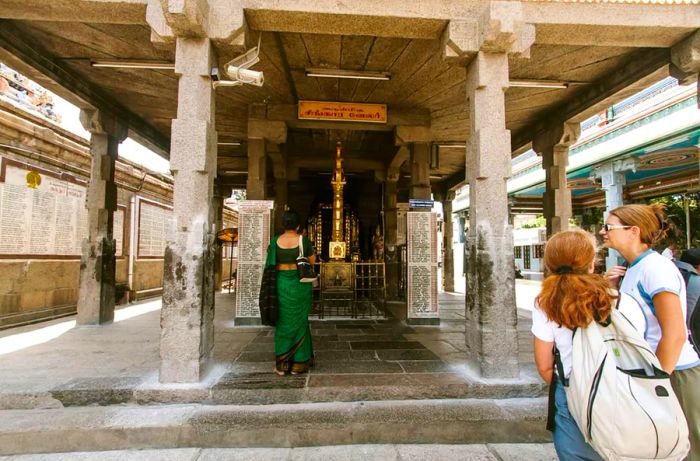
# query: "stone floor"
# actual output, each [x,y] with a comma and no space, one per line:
[355,360]
[477,452]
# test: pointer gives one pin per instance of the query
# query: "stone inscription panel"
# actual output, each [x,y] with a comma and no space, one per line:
[118,232]
[155,223]
[253,240]
[421,237]
[40,215]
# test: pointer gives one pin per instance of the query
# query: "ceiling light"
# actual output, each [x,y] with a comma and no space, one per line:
[341,73]
[462,145]
[539,84]
[234,172]
[234,143]
[133,64]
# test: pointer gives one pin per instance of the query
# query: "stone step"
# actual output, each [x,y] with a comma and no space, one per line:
[520,420]
[265,388]
[386,452]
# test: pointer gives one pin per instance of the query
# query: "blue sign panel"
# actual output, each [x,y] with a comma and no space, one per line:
[420,203]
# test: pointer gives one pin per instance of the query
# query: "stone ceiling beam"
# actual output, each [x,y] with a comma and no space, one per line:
[90,11]
[685,57]
[571,14]
[52,76]
[641,70]
[499,28]
[388,18]
[222,21]
[273,131]
[412,134]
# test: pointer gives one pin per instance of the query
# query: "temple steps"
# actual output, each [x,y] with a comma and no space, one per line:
[265,388]
[118,427]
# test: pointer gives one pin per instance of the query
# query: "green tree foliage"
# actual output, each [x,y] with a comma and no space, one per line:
[675,211]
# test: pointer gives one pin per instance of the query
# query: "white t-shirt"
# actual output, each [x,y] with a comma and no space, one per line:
[548,331]
[647,276]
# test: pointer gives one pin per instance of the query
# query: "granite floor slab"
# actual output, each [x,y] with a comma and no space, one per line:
[118,363]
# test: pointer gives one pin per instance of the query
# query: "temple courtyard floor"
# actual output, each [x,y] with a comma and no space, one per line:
[380,382]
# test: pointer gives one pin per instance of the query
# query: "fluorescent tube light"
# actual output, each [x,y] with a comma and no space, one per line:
[133,64]
[539,84]
[354,74]
[235,143]
[456,144]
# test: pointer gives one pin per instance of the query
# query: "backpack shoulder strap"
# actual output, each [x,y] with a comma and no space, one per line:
[560,367]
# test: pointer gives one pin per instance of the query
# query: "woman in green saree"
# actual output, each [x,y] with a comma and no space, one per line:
[293,346]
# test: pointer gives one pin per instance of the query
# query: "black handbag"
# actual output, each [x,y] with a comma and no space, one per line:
[269,308]
[304,268]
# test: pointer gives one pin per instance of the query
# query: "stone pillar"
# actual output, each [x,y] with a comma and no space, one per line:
[613,180]
[217,207]
[390,235]
[553,146]
[187,316]
[281,200]
[491,315]
[257,169]
[98,263]
[420,170]
[448,262]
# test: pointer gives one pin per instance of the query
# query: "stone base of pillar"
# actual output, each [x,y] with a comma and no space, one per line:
[491,315]
[184,371]
[97,278]
[448,273]
[423,321]
[246,321]
[392,280]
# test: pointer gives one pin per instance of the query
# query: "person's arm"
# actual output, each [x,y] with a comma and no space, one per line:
[673,333]
[544,359]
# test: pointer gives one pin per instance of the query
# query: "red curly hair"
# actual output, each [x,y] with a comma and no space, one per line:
[571,296]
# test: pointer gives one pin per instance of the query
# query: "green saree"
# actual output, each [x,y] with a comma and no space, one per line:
[293,344]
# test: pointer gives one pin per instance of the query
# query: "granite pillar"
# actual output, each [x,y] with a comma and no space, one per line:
[553,146]
[491,315]
[448,260]
[390,235]
[257,169]
[420,170]
[187,316]
[217,207]
[613,178]
[281,200]
[98,262]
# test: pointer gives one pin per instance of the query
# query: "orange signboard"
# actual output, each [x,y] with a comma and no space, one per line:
[342,111]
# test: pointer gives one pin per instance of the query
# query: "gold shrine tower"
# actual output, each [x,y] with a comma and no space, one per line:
[336,248]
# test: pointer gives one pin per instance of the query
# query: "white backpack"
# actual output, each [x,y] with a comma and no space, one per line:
[620,396]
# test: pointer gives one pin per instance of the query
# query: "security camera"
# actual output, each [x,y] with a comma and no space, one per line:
[238,70]
[243,75]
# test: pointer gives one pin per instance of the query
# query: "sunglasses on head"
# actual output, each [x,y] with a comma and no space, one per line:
[609,227]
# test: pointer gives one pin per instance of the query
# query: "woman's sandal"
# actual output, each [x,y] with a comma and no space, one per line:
[278,373]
